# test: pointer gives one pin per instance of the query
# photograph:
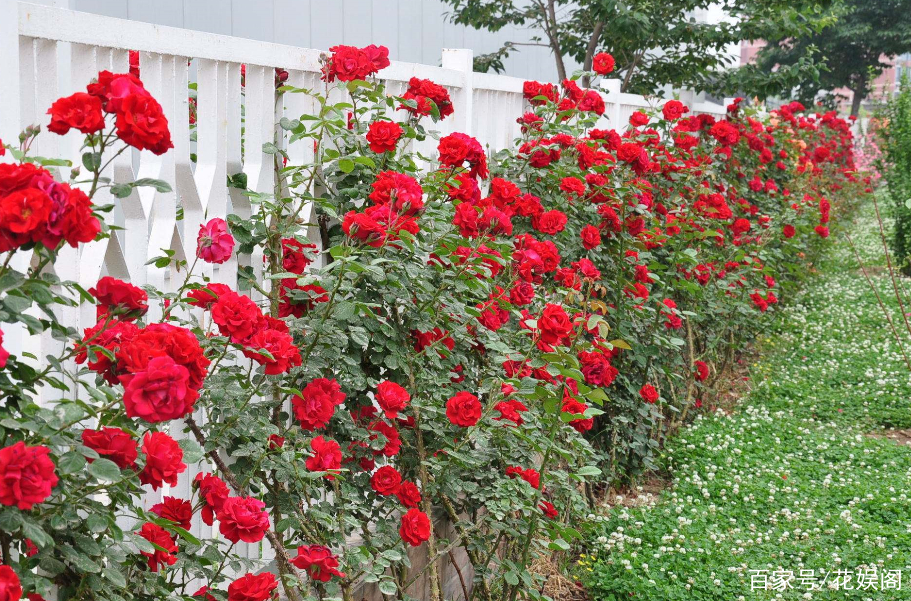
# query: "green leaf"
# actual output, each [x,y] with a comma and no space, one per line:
[346,165]
[105,469]
[158,184]
[388,587]
[588,470]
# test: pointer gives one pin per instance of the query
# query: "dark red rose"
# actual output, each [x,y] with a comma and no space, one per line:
[159,536]
[319,562]
[295,257]
[554,325]
[391,398]
[158,340]
[116,297]
[408,494]
[463,409]
[383,136]
[253,587]
[237,316]
[109,335]
[27,475]
[159,393]
[457,149]
[422,92]
[349,63]
[177,510]
[141,123]
[23,217]
[164,460]
[415,527]
[326,457]
[386,480]
[602,63]
[363,227]
[206,296]
[550,222]
[548,509]
[279,344]
[213,492]
[80,111]
[243,519]
[591,237]
[10,587]
[702,370]
[113,444]
[789,231]
[530,475]
[317,402]
[648,393]
[673,110]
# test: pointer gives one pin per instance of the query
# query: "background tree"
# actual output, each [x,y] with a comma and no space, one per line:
[652,41]
[861,33]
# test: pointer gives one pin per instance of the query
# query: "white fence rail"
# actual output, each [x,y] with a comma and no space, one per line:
[47,52]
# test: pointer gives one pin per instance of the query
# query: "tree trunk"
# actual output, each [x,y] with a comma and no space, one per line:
[859,92]
[590,52]
[550,20]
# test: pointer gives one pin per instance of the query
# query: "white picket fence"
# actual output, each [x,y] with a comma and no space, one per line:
[48,52]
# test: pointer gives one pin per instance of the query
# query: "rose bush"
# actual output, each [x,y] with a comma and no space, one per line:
[479,338]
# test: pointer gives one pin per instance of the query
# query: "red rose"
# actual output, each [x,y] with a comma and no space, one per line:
[386,480]
[530,475]
[822,231]
[4,354]
[319,562]
[279,344]
[348,63]
[159,536]
[789,231]
[702,370]
[213,492]
[116,297]
[740,226]
[206,296]
[326,457]
[26,475]
[408,494]
[602,63]
[573,407]
[23,217]
[550,223]
[214,243]
[638,119]
[554,325]
[392,398]
[243,519]
[253,587]
[112,88]
[463,409]
[458,148]
[415,527]
[548,509]
[295,257]
[160,393]
[162,339]
[363,227]
[141,123]
[591,237]
[10,588]
[77,224]
[673,110]
[422,92]
[522,293]
[392,436]
[107,335]
[205,594]
[511,410]
[316,404]
[648,393]
[176,510]
[113,444]
[383,136]
[237,316]
[164,460]
[80,111]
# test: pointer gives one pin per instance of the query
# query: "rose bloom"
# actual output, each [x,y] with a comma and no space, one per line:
[158,535]
[27,475]
[10,587]
[383,136]
[236,316]
[648,393]
[319,562]
[213,492]
[326,457]
[548,509]
[550,222]
[160,393]
[317,402]
[119,298]
[386,480]
[554,324]
[702,370]
[141,123]
[673,110]
[602,63]
[176,510]
[164,460]
[113,444]
[789,231]
[391,398]
[463,409]
[591,237]
[408,494]
[80,111]
[243,519]
[214,244]
[253,587]
[415,527]
[280,345]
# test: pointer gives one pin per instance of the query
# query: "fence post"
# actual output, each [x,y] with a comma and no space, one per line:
[612,88]
[9,73]
[461,59]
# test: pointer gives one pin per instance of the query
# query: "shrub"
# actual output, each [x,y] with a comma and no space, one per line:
[466,333]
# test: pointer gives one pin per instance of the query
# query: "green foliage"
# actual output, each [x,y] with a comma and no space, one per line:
[894,137]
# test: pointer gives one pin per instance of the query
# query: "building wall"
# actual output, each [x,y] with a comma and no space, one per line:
[414,30]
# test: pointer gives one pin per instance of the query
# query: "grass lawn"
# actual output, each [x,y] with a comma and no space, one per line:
[790,491]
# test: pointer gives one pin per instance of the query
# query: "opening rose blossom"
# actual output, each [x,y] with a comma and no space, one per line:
[214,244]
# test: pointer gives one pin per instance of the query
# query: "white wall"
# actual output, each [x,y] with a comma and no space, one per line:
[414,30]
